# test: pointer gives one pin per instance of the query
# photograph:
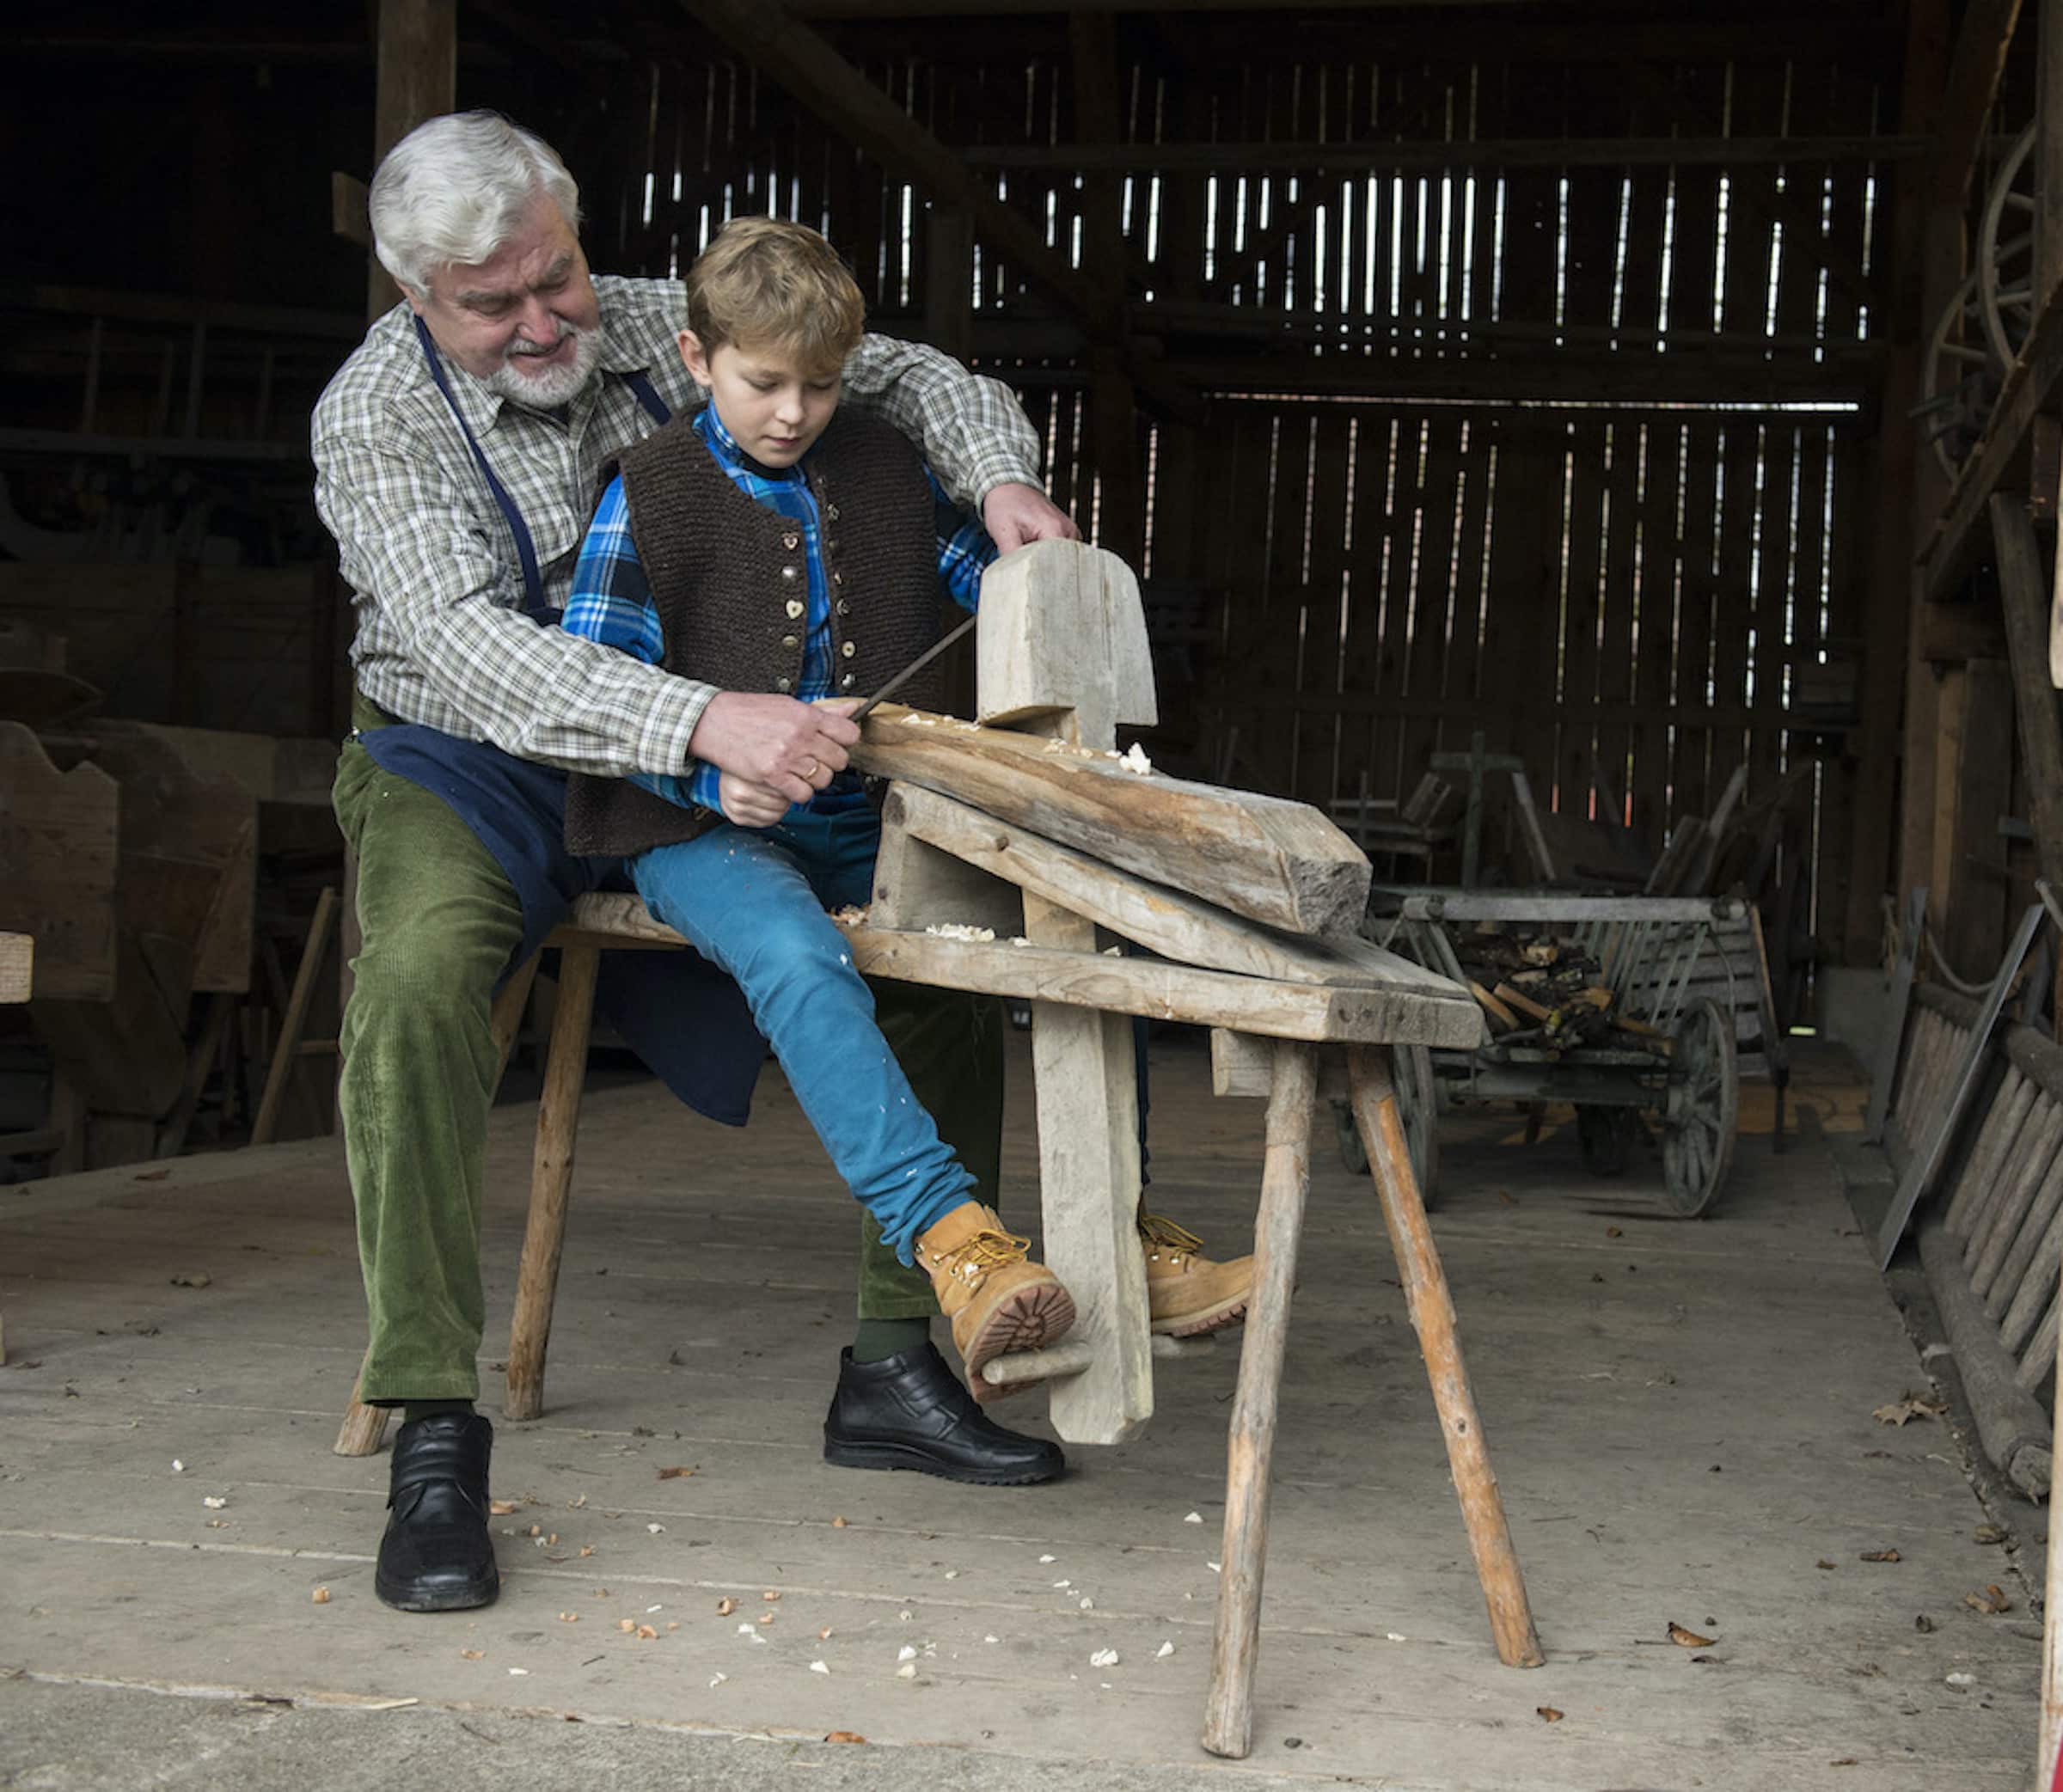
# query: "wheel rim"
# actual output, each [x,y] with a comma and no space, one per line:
[1697,1132]
[2006,263]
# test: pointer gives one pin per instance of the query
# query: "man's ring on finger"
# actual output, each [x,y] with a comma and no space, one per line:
[810,770]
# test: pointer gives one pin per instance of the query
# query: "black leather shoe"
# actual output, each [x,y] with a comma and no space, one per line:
[437,1554]
[909,1411]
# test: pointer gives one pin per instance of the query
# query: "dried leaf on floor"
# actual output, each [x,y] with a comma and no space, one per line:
[1908,1406]
[845,1736]
[1991,1601]
[1547,1712]
[766,1617]
[838,1524]
[646,1633]
[472,1654]
[770,1595]
[321,1595]
[1688,1639]
[1923,1623]
[501,1508]
[677,1474]
[569,1617]
[151,1176]
[1881,1556]
[726,1606]
[198,1279]
[1988,1534]
[1825,1563]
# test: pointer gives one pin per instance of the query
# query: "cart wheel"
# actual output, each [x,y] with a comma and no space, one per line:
[1418,1106]
[1606,1139]
[1703,1107]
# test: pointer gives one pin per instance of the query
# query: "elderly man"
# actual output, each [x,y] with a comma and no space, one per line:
[458,452]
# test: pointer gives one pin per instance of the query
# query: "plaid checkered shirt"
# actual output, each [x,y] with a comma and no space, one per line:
[432,567]
[611,601]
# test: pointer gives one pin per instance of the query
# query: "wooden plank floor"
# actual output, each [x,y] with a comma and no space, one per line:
[1681,1416]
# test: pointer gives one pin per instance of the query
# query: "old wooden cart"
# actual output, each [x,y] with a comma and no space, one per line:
[1690,970]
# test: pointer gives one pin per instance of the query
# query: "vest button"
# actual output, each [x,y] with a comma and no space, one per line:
[791,542]
[795,606]
[848,649]
[847,683]
[790,640]
[844,608]
[781,685]
[831,510]
[791,572]
[837,579]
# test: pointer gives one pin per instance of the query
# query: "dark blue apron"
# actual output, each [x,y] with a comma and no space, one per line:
[686,1018]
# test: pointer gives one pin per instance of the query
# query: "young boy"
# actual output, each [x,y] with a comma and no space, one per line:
[770,543]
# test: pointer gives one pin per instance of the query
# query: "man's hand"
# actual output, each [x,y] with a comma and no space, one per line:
[791,749]
[747,804]
[1015,514]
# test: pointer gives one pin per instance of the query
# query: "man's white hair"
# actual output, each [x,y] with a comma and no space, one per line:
[455,189]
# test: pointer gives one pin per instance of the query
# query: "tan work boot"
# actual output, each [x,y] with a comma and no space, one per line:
[1186,1293]
[998,1299]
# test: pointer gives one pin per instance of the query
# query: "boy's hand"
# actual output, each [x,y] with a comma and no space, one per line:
[747,804]
[793,748]
[1014,514]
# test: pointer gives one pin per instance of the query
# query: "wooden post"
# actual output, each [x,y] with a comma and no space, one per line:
[1062,652]
[364,1427]
[417,79]
[1432,1311]
[1088,1179]
[551,1179]
[1249,1452]
[949,281]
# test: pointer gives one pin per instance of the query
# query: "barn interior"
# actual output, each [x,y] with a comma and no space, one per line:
[1600,460]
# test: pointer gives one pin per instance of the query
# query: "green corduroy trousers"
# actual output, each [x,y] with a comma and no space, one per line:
[438,921]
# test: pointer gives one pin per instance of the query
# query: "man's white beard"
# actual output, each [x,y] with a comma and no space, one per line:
[546,388]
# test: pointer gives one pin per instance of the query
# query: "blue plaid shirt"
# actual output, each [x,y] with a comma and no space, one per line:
[611,599]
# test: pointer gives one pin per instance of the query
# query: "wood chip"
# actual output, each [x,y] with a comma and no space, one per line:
[726,1606]
[770,1595]
[472,1654]
[501,1508]
[1548,1712]
[1880,1556]
[1991,1601]
[677,1474]
[767,1618]
[647,1633]
[838,1524]
[845,1736]
[627,1624]
[1689,1639]
[321,1595]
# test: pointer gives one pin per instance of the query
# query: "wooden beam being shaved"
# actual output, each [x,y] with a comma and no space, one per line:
[1167,921]
[1263,857]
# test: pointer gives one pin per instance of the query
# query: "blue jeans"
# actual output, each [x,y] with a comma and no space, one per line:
[753,900]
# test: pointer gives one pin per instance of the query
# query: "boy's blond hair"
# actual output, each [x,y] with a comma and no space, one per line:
[764,282]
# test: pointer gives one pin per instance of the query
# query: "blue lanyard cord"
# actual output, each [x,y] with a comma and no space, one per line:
[534,605]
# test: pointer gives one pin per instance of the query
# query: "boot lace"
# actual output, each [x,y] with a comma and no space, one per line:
[1159,1230]
[971,1260]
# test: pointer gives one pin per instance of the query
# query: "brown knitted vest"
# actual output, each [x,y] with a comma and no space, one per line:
[730,579]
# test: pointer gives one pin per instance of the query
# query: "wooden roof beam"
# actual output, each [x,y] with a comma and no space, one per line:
[1975,70]
[791,53]
[1511,152]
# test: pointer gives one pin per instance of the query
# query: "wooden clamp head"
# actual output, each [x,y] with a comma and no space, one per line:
[1062,644]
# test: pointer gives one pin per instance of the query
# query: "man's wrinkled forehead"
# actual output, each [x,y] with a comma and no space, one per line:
[475,290]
